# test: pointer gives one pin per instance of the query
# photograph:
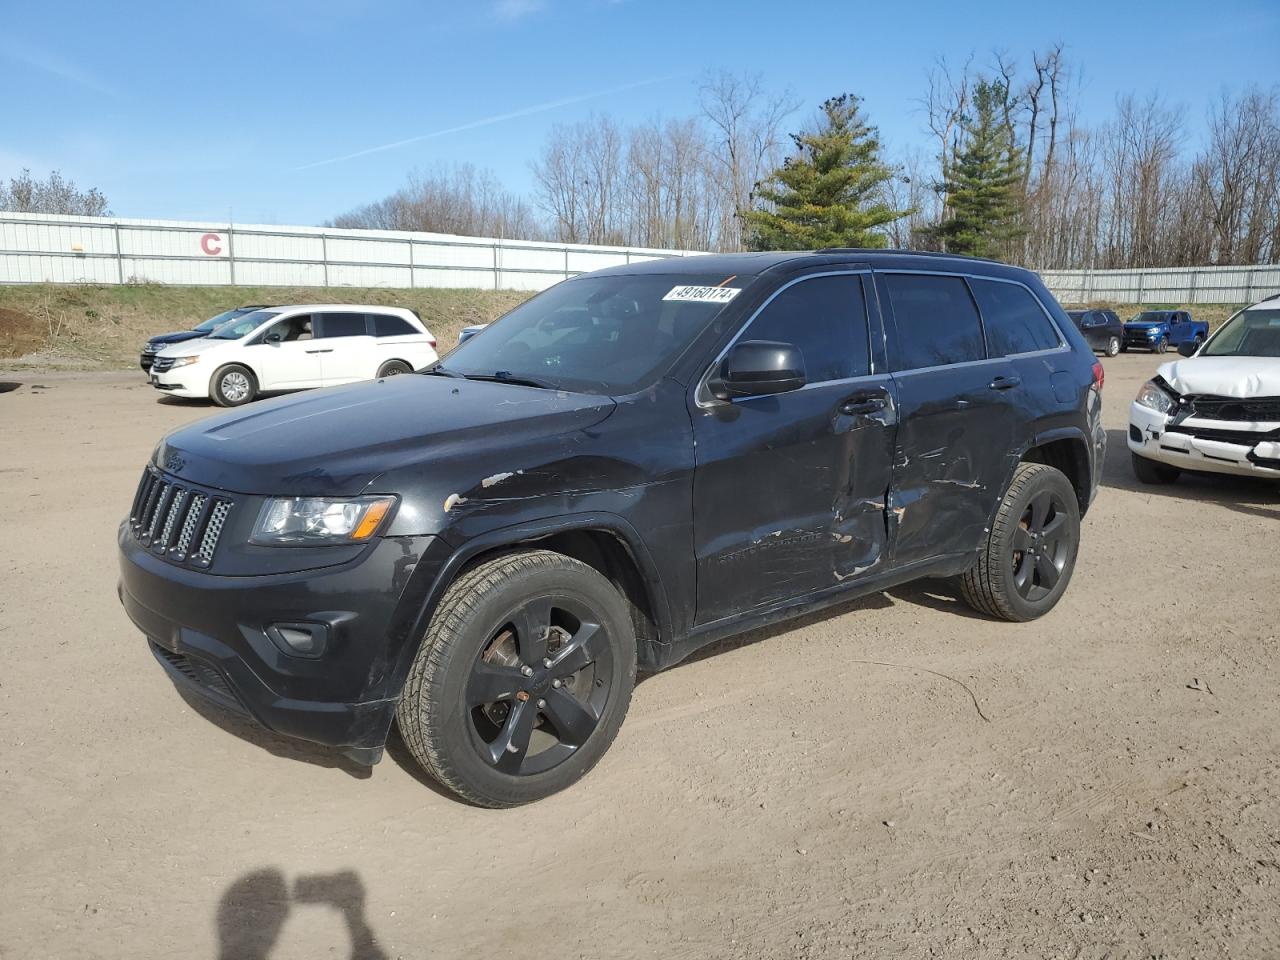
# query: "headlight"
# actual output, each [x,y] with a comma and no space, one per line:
[299,521]
[183,362]
[1154,396]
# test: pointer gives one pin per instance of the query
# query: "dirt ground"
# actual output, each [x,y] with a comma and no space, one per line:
[814,791]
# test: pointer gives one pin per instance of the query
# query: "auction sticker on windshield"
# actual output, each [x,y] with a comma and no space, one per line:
[703,294]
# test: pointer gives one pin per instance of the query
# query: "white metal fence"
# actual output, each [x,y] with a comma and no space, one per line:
[38,248]
[57,249]
[1180,285]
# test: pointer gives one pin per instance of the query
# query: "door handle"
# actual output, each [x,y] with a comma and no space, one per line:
[1005,383]
[329,350]
[862,403]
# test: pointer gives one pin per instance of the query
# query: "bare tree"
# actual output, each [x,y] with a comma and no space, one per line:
[54,194]
[746,125]
[460,199]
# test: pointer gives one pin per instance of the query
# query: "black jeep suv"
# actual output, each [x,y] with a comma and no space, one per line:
[630,465]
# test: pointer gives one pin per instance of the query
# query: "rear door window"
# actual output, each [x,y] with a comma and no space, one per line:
[341,325]
[826,317]
[386,325]
[1013,319]
[936,318]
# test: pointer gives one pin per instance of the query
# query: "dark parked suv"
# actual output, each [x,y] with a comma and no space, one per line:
[629,466]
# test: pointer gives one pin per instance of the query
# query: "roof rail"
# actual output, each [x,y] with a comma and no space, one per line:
[912,253]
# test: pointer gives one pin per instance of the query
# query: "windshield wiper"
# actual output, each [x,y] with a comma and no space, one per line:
[504,376]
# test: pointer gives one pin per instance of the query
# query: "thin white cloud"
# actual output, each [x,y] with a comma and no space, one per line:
[488,121]
[55,65]
[517,9]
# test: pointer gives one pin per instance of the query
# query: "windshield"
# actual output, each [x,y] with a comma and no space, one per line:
[235,329]
[1250,333]
[214,322]
[598,334]
[1151,316]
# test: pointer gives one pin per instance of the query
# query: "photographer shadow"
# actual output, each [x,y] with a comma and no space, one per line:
[253,910]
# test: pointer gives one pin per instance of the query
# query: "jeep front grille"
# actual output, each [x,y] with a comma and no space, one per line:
[176,521]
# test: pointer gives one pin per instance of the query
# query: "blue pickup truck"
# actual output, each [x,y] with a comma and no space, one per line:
[1158,330]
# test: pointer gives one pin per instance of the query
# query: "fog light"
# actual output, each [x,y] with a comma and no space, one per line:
[1135,434]
[299,639]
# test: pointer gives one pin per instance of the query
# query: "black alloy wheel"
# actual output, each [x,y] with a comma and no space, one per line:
[1039,549]
[538,688]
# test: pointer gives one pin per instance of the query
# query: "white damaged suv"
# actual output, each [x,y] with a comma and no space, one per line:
[1218,410]
[294,348]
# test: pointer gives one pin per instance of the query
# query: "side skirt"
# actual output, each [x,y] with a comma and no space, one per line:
[668,655]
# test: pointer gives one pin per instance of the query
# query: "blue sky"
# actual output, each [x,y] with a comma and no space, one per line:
[201,110]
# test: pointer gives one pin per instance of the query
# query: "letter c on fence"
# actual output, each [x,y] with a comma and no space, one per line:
[209,243]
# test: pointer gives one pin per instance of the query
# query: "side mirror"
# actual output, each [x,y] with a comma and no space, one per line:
[273,338]
[1188,348]
[756,368]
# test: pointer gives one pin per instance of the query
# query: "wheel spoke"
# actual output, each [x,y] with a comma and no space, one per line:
[582,649]
[490,683]
[1048,572]
[574,720]
[532,621]
[1039,512]
[1021,539]
[508,750]
[1053,529]
[1022,575]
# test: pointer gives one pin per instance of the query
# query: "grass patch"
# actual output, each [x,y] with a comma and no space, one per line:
[103,327]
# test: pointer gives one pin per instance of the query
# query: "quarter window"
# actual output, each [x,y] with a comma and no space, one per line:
[937,321]
[826,318]
[342,325]
[1013,318]
[385,325]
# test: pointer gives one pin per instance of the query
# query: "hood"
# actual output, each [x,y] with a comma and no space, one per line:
[197,344]
[1144,324]
[1224,376]
[178,336]
[335,441]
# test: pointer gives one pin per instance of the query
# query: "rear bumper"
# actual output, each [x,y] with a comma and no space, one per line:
[1150,437]
[212,636]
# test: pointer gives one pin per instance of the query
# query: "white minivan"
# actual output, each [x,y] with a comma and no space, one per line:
[294,348]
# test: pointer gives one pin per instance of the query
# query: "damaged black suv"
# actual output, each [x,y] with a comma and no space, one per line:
[626,467]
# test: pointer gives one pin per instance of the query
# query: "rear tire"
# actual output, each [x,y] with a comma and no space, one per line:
[233,386]
[394,368]
[499,709]
[1152,471]
[1030,553]
[1113,346]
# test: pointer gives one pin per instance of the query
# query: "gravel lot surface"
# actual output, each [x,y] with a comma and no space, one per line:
[810,791]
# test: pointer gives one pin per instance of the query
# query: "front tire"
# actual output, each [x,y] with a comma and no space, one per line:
[1162,345]
[1030,553]
[522,681]
[1152,471]
[1113,346]
[233,386]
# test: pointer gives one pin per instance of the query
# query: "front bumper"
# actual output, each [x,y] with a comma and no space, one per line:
[212,635]
[1212,446]
[189,381]
[1139,341]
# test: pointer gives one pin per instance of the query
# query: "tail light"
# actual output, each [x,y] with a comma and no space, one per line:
[1099,375]
[432,341]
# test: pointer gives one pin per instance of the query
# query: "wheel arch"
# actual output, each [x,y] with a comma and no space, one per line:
[1067,451]
[605,542]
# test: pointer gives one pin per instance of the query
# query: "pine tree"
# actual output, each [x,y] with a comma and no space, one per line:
[983,190]
[831,192]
